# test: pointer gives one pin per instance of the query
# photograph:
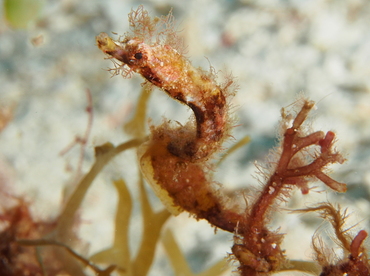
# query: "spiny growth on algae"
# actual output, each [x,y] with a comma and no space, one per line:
[176,161]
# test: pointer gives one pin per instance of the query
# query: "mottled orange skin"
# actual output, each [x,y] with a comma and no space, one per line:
[175,158]
[169,70]
[188,183]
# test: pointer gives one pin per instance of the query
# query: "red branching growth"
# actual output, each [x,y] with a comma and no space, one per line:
[355,259]
[14,258]
[84,139]
[175,160]
[257,248]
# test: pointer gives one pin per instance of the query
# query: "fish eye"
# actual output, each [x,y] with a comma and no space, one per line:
[138,55]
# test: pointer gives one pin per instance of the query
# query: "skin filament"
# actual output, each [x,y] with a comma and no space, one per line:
[175,160]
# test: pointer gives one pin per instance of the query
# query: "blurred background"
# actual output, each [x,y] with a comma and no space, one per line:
[276,50]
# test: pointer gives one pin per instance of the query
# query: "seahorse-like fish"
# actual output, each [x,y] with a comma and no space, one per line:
[174,161]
